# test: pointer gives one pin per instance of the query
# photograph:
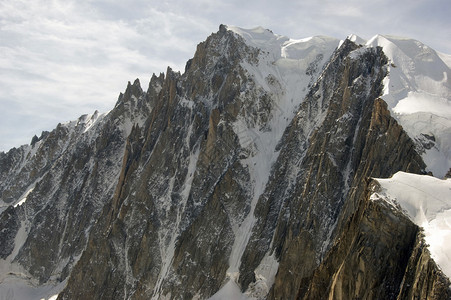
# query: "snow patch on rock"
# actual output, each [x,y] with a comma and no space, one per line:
[418,93]
[426,200]
[285,70]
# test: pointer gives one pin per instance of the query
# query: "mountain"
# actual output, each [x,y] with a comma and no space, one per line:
[261,172]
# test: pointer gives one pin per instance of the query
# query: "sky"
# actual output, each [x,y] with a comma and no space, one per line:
[60,59]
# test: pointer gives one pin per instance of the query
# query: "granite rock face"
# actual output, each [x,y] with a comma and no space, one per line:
[380,255]
[320,173]
[182,188]
[60,184]
[221,174]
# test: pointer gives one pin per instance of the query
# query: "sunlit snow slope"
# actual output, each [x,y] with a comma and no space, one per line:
[418,93]
[278,76]
[427,202]
[286,68]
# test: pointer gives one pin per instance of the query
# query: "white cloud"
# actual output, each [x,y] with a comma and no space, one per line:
[334,8]
[60,59]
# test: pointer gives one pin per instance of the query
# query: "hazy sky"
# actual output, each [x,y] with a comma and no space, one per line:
[60,59]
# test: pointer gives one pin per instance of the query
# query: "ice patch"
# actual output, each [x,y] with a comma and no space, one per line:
[438,156]
[421,102]
[446,58]
[19,289]
[23,198]
[265,275]
[229,291]
[356,39]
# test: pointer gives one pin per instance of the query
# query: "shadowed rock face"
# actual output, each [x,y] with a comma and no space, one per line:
[380,254]
[151,202]
[182,188]
[64,179]
[321,173]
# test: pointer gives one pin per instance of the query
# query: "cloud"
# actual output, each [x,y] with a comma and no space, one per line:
[60,59]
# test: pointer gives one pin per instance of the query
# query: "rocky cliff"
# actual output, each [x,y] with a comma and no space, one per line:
[251,170]
[54,189]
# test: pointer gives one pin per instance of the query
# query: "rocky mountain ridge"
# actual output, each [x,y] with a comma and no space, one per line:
[249,173]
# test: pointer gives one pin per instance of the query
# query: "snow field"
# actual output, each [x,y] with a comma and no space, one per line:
[281,72]
[426,200]
[418,93]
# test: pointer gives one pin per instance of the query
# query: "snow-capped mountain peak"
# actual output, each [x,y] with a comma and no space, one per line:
[356,39]
[418,93]
[280,46]
[426,200]
[248,176]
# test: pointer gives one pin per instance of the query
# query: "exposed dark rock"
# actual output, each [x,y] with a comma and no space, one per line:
[350,131]
[381,254]
[10,224]
[149,200]
[184,147]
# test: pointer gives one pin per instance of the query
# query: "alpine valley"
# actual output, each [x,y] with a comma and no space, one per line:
[272,168]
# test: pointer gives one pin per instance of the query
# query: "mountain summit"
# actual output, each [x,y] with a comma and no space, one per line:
[272,168]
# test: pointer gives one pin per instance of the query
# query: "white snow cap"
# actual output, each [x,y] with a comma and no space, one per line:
[356,39]
[417,90]
[284,47]
[426,200]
